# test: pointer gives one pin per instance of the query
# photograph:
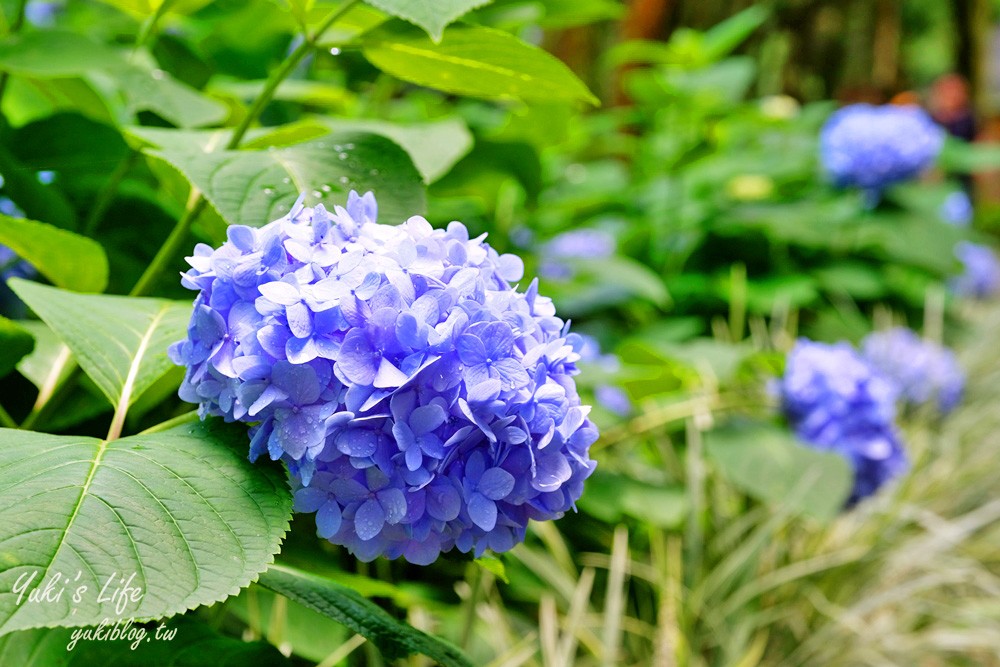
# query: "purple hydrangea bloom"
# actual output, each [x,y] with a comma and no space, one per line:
[571,245]
[42,13]
[421,402]
[872,147]
[923,371]
[981,277]
[956,209]
[611,397]
[835,400]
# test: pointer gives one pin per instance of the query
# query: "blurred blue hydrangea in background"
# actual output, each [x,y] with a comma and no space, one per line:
[611,397]
[11,266]
[835,400]
[575,244]
[42,13]
[980,277]
[957,209]
[872,147]
[421,402]
[923,371]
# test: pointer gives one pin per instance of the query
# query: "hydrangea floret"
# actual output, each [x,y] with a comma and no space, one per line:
[871,147]
[924,372]
[835,400]
[421,400]
[957,209]
[980,277]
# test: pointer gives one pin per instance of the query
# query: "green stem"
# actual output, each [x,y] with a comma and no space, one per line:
[474,578]
[178,236]
[15,27]
[287,67]
[185,418]
[6,420]
[107,194]
[170,247]
[148,30]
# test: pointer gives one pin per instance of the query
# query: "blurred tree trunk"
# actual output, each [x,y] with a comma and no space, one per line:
[973,18]
[646,19]
[885,70]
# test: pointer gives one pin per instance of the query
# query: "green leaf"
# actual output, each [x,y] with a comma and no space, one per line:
[609,497]
[310,635]
[590,289]
[192,644]
[15,344]
[431,15]
[770,464]
[474,61]
[168,98]
[182,510]
[67,259]
[255,187]
[435,146]
[39,365]
[494,566]
[52,53]
[723,37]
[393,639]
[120,342]
[963,157]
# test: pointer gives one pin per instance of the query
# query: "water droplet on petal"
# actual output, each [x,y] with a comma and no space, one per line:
[158,74]
[349,147]
[373,172]
[269,192]
[317,194]
[335,51]
[286,180]
[342,156]
[344,180]
[338,147]
[326,187]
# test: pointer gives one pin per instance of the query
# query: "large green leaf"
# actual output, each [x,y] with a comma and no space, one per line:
[610,496]
[182,510]
[120,342]
[52,54]
[181,643]
[474,61]
[67,259]
[15,343]
[347,607]
[255,187]
[433,146]
[168,98]
[770,464]
[431,15]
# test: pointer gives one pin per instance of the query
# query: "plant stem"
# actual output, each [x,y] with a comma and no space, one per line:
[185,418]
[15,27]
[170,247]
[148,29]
[473,576]
[178,236]
[6,420]
[286,68]
[107,193]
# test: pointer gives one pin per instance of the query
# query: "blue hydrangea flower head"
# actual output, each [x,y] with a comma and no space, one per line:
[981,275]
[837,401]
[421,400]
[956,209]
[872,147]
[923,372]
